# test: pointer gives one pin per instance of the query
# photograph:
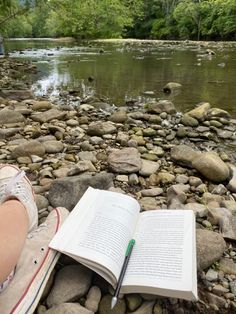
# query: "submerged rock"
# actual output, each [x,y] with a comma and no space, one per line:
[172,86]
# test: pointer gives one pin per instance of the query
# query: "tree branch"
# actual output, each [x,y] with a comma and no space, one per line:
[12,15]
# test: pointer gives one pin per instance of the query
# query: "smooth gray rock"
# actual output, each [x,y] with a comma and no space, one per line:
[87,156]
[157,150]
[232,183]
[5,133]
[152,192]
[229,204]
[105,306]
[32,147]
[216,300]
[181,179]
[46,138]
[41,201]
[210,248]
[126,160]
[211,166]
[10,116]
[149,132]
[208,198]
[133,179]
[16,94]
[217,112]
[199,210]
[145,308]
[224,134]
[187,120]
[177,194]
[232,285]
[183,155]
[194,181]
[133,301]
[211,275]
[171,86]
[219,289]
[148,167]
[228,266]
[164,177]
[200,112]
[48,115]
[96,140]
[148,203]
[101,128]
[93,299]
[68,308]
[118,116]
[52,147]
[161,106]
[71,283]
[226,221]
[220,189]
[41,105]
[66,192]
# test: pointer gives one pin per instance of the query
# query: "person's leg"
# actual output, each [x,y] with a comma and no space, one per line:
[14,225]
[18,215]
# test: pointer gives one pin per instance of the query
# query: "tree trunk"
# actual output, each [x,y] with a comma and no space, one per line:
[198,30]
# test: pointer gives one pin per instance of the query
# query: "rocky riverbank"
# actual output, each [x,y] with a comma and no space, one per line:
[164,158]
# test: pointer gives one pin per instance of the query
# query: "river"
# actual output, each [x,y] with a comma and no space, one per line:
[123,71]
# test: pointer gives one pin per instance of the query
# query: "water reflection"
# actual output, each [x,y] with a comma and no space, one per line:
[52,83]
[122,72]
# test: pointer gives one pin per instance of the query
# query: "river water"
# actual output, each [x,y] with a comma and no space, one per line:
[126,70]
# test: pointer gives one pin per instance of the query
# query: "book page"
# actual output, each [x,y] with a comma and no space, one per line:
[163,255]
[99,229]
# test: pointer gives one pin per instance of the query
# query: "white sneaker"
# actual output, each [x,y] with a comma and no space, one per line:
[15,185]
[34,267]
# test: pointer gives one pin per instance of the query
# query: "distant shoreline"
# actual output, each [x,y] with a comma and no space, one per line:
[59,39]
[126,40]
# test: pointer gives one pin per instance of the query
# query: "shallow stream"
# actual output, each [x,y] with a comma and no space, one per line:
[124,71]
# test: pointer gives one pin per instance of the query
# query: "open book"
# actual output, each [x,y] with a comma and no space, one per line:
[163,259]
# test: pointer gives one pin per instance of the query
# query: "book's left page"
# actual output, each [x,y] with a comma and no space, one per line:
[98,230]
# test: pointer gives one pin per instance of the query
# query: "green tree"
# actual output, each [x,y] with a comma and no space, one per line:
[189,15]
[165,19]
[157,21]
[92,18]
[13,16]
[221,19]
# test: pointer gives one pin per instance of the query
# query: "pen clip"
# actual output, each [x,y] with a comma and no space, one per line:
[130,245]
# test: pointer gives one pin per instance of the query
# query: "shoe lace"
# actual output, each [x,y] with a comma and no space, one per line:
[34,232]
[13,181]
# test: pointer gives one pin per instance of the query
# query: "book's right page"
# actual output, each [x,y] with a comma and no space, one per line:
[163,260]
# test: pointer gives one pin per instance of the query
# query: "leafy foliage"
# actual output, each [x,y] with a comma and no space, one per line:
[165,19]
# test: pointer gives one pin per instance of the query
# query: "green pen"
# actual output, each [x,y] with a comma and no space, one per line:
[122,273]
